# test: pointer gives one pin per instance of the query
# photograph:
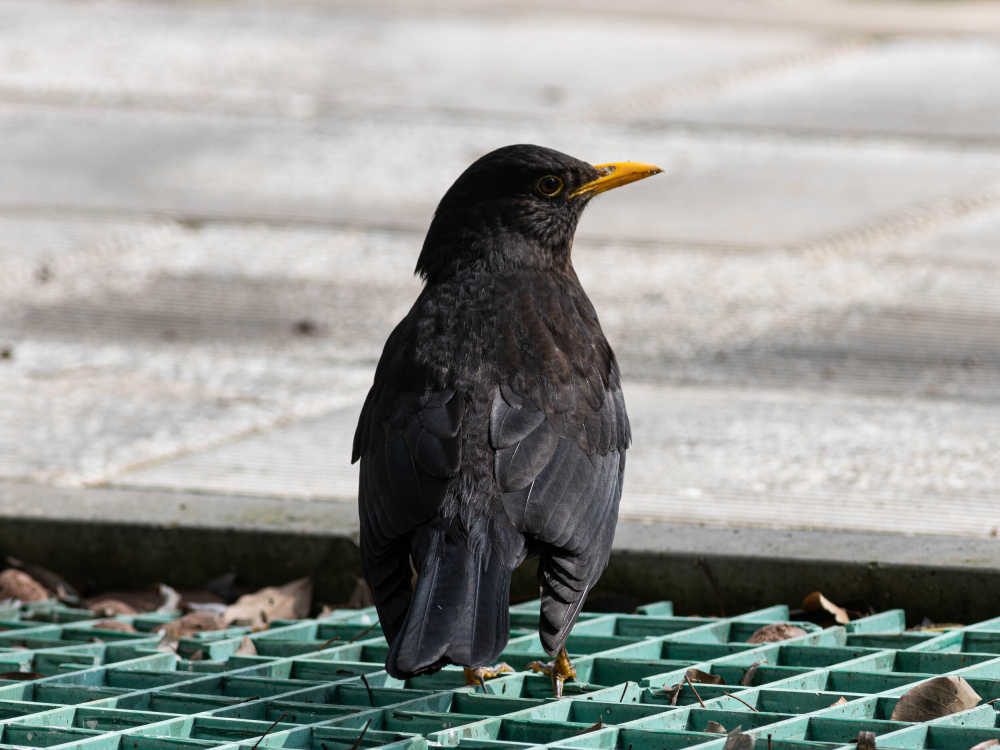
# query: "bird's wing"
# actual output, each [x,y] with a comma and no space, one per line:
[411,453]
[409,443]
[561,481]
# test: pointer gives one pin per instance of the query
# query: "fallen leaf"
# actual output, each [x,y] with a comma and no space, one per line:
[674,691]
[288,602]
[171,599]
[934,627]
[696,675]
[866,740]
[216,607]
[985,745]
[747,679]
[247,647]
[938,696]
[16,584]
[737,740]
[51,581]
[840,701]
[776,631]
[191,623]
[166,644]
[197,655]
[110,608]
[140,600]
[715,728]
[121,627]
[599,724]
[816,601]
[20,676]
[194,598]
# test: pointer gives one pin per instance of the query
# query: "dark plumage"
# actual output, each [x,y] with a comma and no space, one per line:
[496,425]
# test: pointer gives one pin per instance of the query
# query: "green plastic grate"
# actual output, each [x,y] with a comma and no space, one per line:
[320,685]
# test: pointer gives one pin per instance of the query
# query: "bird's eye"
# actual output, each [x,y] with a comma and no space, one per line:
[549,185]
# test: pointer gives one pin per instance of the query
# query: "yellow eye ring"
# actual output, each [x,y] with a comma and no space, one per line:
[549,185]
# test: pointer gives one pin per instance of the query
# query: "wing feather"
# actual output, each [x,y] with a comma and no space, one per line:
[409,442]
[562,491]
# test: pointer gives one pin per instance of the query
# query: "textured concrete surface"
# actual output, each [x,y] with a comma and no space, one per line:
[209,215]
[720,189]
[705,456]
[934,89]
[309,60]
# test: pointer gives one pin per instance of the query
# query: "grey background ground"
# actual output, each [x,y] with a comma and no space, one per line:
[209,214]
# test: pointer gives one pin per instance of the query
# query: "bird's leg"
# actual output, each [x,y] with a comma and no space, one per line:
[479,675]
[559,669]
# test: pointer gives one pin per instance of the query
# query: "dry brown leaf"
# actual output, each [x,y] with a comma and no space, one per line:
[696,675]
[247,647]
[171,599]
[737,740]
[121,627]
[816,601]
[747,679]
[935,627]
[599,724]
[16,584]
[840,701]
[140,600]
[674,692]
[985,745]
[110,608]
[167,645]
[20,676]
[715,728]
[193,598]
[189,624]
[259,609]
[938,696]
[51,581]
[776,631]
[866,740]
[219,609]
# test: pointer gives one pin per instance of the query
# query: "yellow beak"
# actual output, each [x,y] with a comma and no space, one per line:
[616,175]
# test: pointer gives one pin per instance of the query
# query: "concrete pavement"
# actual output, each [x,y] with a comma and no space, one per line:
[209,214]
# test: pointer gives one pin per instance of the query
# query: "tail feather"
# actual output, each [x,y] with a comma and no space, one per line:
[459,610]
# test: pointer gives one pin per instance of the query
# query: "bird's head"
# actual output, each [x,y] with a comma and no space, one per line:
[516,208]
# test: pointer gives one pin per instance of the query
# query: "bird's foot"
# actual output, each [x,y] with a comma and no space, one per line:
[479,675]
[559,669]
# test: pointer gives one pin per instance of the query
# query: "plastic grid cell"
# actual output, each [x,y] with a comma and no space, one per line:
[319,684]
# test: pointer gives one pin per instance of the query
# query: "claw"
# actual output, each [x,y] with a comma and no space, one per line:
[559,669]
[479,675]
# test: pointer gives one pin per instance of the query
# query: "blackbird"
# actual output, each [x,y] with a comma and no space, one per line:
[496,426]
